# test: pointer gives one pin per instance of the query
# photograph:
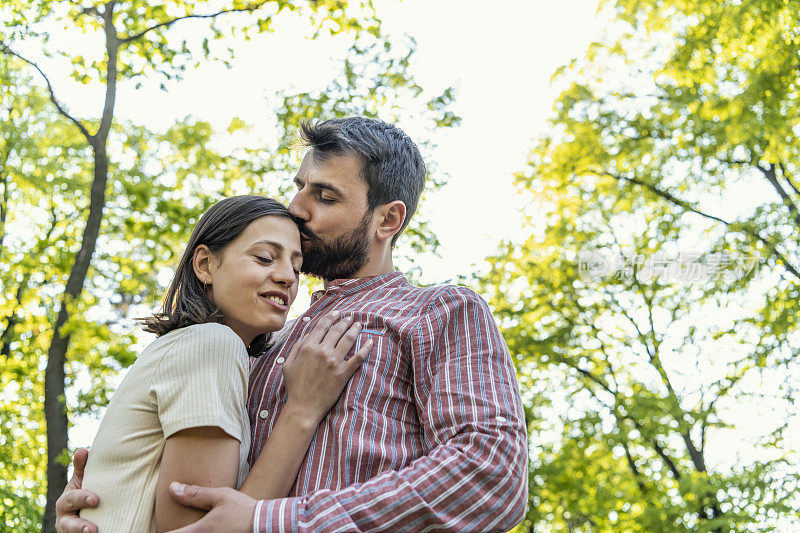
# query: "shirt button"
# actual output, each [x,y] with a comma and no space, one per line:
[500,419]
[264,414]
[280,360]
[306,319]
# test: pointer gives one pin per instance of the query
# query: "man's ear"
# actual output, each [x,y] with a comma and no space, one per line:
[390,218]
[201,263]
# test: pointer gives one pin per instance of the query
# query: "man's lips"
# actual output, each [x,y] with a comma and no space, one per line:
[306,234]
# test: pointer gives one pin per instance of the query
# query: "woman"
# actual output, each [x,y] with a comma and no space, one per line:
[179,414]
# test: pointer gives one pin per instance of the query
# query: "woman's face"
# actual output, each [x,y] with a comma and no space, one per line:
[253,280]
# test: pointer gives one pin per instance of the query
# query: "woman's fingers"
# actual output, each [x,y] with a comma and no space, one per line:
[352,364]
[347,339]
[333,336]
[293,353]
[336,331]
[316,373]
[321,329]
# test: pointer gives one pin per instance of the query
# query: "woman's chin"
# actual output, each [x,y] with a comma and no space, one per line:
[272,325]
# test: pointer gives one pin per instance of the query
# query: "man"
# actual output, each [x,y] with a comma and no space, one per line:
[429,434]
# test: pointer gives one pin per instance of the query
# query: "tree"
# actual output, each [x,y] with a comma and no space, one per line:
[634,244]
[45,171]
[25,169]
[136,44]
[156,185]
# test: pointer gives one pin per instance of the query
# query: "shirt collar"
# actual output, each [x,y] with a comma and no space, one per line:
[350,286]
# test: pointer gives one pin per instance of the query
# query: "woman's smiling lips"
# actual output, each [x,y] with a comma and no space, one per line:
[277,299]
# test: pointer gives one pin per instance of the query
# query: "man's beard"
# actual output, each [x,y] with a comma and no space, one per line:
[340,259]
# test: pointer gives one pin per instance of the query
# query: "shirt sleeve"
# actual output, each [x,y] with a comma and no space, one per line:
[202,381]
[474,474]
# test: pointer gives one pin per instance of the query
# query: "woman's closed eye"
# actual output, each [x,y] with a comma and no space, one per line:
[265,260]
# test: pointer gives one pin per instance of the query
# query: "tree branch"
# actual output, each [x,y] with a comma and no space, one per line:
[667,460]
[59,107]
[696,455]
[636,473]
[656,446]
[591,377]
[168,23]
[685,205]
[11,319]
[769,173]
[91,10]
[112,52]
[703,428]
[789,179]
[6,180]
[84,10]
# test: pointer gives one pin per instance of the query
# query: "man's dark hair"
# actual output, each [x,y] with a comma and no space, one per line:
[186,302]
[392,164]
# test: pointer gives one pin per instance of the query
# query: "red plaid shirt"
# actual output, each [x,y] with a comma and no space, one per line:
[429,433]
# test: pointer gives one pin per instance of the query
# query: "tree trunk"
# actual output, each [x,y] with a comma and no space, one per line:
[54,387]
[55,407]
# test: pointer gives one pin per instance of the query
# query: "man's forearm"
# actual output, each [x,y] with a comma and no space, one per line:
[475,482]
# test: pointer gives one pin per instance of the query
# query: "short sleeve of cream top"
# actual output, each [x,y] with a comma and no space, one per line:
[191,377]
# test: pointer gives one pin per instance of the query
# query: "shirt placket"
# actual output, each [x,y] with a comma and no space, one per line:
[272,401]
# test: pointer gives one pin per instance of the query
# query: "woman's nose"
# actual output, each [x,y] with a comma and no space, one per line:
[284,273]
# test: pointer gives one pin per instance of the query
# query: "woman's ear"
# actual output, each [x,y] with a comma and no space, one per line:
[390,219]
[201,263]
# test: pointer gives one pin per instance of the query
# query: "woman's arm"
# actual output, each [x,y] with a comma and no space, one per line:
[315,373]
[201,455]
[275,470]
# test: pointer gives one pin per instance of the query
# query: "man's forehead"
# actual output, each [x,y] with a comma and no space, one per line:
[341,171]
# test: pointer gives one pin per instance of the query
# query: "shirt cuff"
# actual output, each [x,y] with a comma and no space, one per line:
[273,516]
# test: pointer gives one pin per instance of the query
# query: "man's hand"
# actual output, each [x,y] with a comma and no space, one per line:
[229,510]
[73,499]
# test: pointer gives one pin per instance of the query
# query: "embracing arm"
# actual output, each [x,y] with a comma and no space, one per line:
[315,372]
[74,498]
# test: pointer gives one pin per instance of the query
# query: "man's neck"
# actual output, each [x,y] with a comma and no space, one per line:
[371,269]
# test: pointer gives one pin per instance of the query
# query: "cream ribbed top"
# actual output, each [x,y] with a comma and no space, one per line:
[193,376]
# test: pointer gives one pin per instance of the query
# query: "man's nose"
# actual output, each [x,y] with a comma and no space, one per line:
[297,208]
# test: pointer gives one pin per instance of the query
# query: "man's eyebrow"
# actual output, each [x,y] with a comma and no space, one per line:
[317,185]
[278,246]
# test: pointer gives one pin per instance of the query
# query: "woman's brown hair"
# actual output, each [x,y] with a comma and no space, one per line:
[186,302]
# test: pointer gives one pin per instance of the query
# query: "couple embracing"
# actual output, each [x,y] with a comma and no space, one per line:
[383,407]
